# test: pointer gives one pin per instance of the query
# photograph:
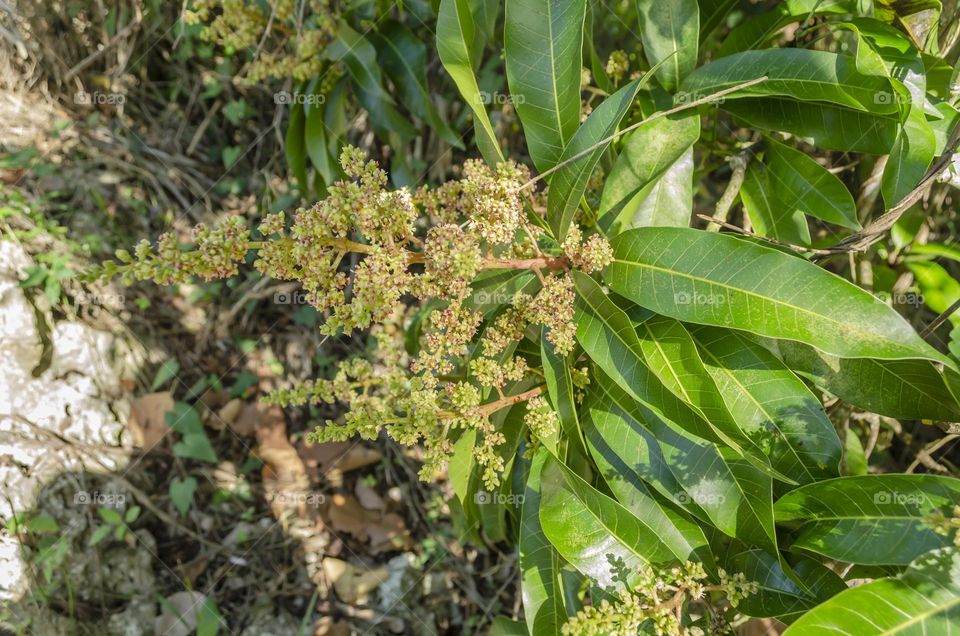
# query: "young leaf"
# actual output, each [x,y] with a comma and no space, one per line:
[455,38]
[670,30]
[315,142]
[570,182]
[296,150]
[869,519]
[925,599]
[543,49]
[181,493]
[717,279]
[802,74]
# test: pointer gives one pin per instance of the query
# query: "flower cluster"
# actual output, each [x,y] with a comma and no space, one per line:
[288,42]
[656,601]
[362,252]
[618,64]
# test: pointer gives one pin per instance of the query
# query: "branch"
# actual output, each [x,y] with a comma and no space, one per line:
[654,117]
[874,231]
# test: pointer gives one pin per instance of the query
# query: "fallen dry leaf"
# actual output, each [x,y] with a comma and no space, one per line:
[384,532]
[322,459]
[147,422]
[353,584]
[248,419]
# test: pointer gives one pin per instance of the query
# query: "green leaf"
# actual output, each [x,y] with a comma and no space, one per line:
[925,599]
[42,523]
[609,338]
[315,142]
[404,59]
[760,30]
[556,371]
[455,38]
[540,564]
[543,49]
[909,159]
[730,493]
[181,493]
[712,14]
[827,126]
[570,182]
[597,535]
[360,58]
[167,371]
[296,150]
[904,389]
[774,407]
[716,279]
[671,354]
[503,626]
[195,446]
[869,519]
[110,515]
[779,594]
[799,185]
[670,31]
[768,214]
[647,153]
[802,74]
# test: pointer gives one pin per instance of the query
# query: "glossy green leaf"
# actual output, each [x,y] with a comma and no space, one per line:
[315,140]
[716,486]
[869,519]
[760,30]
[556,371]
[671,354]
[295,148]
[455,37]
[609,338]
[909,159]
[775,408]
[802,74]
[800,184]
[404,59]
[670,32]
[905,389]
[360,58]
[540,564]
[924,600]
[665,201]
[717,279]
[828,126]
[597,535]
[779,595]
[712,14]
[647,154]
[769,215]
[543,49]
[570,182]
